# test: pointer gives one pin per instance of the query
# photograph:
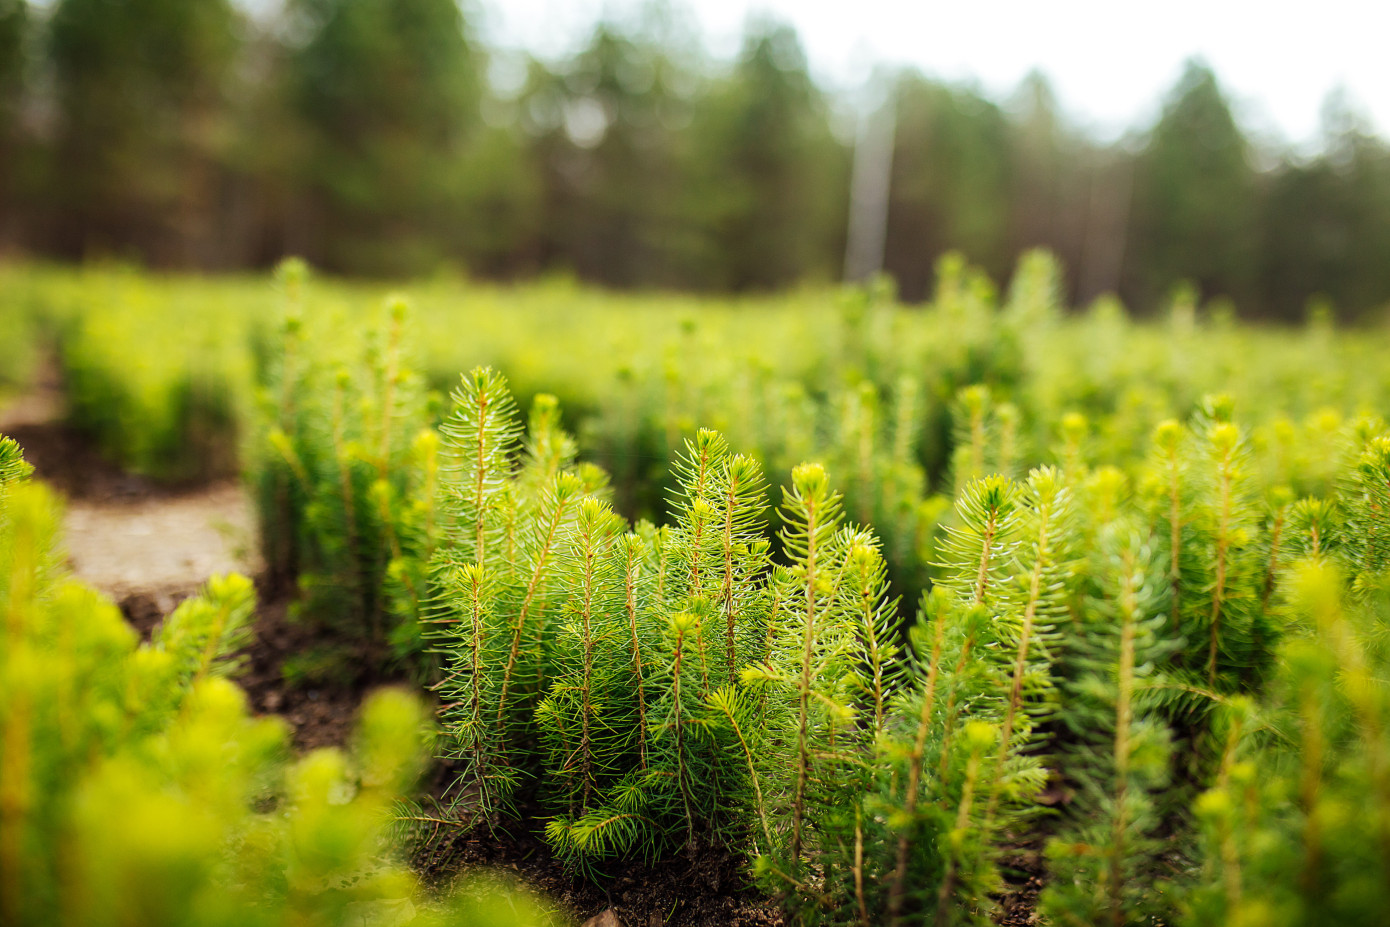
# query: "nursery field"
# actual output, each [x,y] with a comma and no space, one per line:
[814,608]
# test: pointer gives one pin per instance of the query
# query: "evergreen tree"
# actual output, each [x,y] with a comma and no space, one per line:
[1195,198]
[951,179]
[766,197]
[14,33]
[388,90]
[149,79]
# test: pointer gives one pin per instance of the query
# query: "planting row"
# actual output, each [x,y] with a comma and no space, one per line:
[1138,638]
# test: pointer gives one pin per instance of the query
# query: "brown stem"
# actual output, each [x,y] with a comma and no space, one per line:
[1175,533]
[542,559]
[804,690]
[1276,533]
[727,593]
[967,798]
[1218,593]
[1124,717]
[898,889]
[630,590]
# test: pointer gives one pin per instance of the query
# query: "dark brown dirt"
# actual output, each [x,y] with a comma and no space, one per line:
[710,890]
[66,460]
[322,709]
[1023,874]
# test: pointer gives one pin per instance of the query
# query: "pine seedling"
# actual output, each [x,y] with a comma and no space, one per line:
[808,715]
[479,438]
[934,792]
[1010,452]
[907,422]
[1229,818]
[578,716]
[1042,577]
[472,647]
[13,466]
[1035,295]
[702,590]
[1314,531]
[683,757]
[414,535]
[1297,829]
[939,612]
[1170,486]
[977,560]
[1220,603]
[82,705]
[887,482]
[812,515]
[972,436]
[858,433]
[852,841]
[549,449]
[1368,512]
[204,633]
[1071,449]
[280,496]
[346,479]
[970,875]
[526,604]
[636,635]
[1278,502]
[714,562]
[878,667]
[1105,859]
[738,498]
[697,545]
[979,550]
[496,568]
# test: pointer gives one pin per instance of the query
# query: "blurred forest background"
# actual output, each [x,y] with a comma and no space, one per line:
[380,137]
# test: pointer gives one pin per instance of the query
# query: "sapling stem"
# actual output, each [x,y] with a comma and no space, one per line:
[1223,541]
[967,800]
[898,889]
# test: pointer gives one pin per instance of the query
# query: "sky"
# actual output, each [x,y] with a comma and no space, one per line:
[1110,62]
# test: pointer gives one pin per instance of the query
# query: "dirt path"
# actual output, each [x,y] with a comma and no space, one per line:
[161,548]
[144,545]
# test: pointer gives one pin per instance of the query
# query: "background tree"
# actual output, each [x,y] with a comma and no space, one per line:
[1195,207]
[611,135]
[1053,171]
[1326,221]
[388,91]
[771,179]
[140,88]
[380,137]
[14,27]
[952,174]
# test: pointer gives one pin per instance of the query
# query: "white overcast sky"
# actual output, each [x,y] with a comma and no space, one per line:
[1109,61]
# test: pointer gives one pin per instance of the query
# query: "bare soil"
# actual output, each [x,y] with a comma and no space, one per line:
[320,712]
[710,889]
